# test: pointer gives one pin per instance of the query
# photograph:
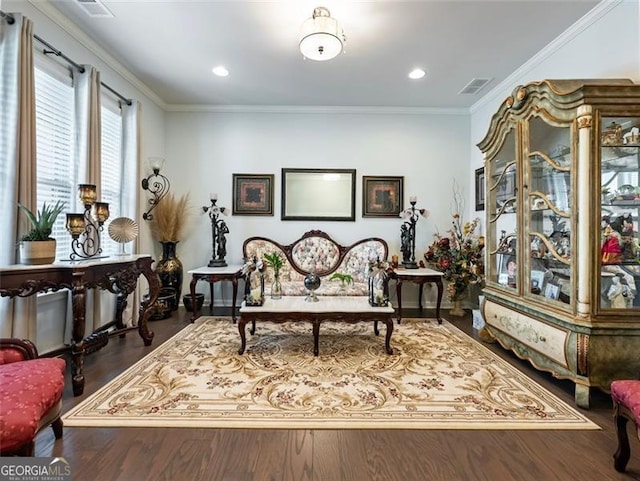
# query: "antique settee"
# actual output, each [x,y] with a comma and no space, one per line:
[316,252]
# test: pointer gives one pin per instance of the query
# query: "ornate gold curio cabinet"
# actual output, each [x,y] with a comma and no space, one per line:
[562,170]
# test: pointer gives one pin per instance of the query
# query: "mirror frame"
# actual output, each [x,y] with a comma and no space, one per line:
[347,214]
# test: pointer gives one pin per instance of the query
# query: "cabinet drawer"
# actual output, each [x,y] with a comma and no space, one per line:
[544,338]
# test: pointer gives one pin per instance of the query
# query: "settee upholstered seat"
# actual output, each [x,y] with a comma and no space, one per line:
[626,406]
[316,252]
[30,396]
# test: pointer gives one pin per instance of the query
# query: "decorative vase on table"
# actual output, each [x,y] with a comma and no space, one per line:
[276,287]
[169,270]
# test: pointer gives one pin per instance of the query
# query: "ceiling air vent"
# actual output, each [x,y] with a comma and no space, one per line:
[94,8]
[474,86]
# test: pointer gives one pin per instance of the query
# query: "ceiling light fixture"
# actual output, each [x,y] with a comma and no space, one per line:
[321,36]
[416,73]
[220,71]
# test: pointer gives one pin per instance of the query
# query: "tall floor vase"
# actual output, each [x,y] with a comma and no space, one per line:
[457,309]
[170,271]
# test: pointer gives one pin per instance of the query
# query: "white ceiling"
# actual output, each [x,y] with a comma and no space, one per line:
[171,47]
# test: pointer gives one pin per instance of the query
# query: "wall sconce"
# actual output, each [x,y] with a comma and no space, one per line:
[408,233]
[219,230]
[157,185]
[85,228]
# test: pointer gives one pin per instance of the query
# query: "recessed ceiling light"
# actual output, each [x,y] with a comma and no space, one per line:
[416,74]
[220,71]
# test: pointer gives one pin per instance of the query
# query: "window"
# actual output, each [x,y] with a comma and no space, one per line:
[56,173]
[111,168]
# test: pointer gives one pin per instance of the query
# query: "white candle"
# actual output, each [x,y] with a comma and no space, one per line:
[255,293]
[213,196]
[413,198]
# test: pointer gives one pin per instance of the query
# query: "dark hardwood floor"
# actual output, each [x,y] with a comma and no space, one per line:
[330,455]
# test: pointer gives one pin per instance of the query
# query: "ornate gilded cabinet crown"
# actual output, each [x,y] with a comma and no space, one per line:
[562,164]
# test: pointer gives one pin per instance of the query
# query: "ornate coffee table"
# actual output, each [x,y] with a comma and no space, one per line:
[349,309]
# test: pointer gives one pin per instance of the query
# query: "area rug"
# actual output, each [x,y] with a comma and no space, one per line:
[437,378]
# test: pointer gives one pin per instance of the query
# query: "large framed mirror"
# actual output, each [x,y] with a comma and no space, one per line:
[319,194]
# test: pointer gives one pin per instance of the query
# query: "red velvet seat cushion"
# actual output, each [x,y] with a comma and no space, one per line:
[28,390]
[627,393]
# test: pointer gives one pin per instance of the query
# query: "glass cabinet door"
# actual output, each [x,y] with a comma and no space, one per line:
[501,204]
[620,208]
[547,211]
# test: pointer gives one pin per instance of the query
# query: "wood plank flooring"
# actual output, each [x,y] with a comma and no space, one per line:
[330,455]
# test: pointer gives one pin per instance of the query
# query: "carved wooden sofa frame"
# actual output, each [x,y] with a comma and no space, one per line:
[317,252]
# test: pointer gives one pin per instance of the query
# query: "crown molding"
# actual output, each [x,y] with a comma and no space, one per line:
[46,8]
[314,109]
[507,85]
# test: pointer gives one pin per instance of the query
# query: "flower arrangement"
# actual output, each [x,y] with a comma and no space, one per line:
[459,254]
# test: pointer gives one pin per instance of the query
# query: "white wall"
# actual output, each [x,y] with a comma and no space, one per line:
[204,149]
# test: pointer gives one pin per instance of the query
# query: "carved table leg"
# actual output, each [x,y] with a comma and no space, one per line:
[234,282]
[242,322]
[145,306]
[192,291]
[316,336]
[440,290]
[376,331]
[387,339]
[399,297]
[78,301]
[420,295]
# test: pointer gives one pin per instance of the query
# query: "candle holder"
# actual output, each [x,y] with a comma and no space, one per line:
[157,185]
[408,233]
[219,230]
[85,228]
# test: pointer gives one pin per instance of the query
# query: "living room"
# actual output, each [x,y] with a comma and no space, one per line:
[432,148]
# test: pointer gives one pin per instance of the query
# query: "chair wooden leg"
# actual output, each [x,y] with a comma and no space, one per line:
[56,425]
[622,455]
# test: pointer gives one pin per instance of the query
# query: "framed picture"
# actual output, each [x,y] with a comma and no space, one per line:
[537,280]
[319,194]
[480,188]
[253,194]
[382,196]
[508,270]
[552,291]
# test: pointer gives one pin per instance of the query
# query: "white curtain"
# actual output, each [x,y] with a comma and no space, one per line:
[87,89]
[131,156]
[17,160]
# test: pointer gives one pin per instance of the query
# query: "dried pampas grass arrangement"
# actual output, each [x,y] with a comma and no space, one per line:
[170,218]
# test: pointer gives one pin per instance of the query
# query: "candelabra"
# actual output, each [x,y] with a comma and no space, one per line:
[219,230]
[157,185]
[85,228]
[408,233]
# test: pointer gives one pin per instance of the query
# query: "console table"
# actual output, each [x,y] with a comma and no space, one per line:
[419,276]
[117,274]
[349,309]
[212,275]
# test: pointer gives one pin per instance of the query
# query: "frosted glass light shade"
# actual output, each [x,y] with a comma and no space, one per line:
[321,37]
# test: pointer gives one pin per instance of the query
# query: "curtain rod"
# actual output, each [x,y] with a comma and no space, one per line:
[58,53]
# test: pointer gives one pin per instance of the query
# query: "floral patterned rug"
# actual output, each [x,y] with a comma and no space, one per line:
[437,378]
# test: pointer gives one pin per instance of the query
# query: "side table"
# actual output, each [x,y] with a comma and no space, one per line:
[418,276]
[212,275]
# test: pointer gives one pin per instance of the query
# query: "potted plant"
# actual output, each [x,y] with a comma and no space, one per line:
[275,261]
[37,246]
[344,278]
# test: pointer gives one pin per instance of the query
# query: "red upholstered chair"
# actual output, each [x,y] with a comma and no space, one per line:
[626,406]
[30,396]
